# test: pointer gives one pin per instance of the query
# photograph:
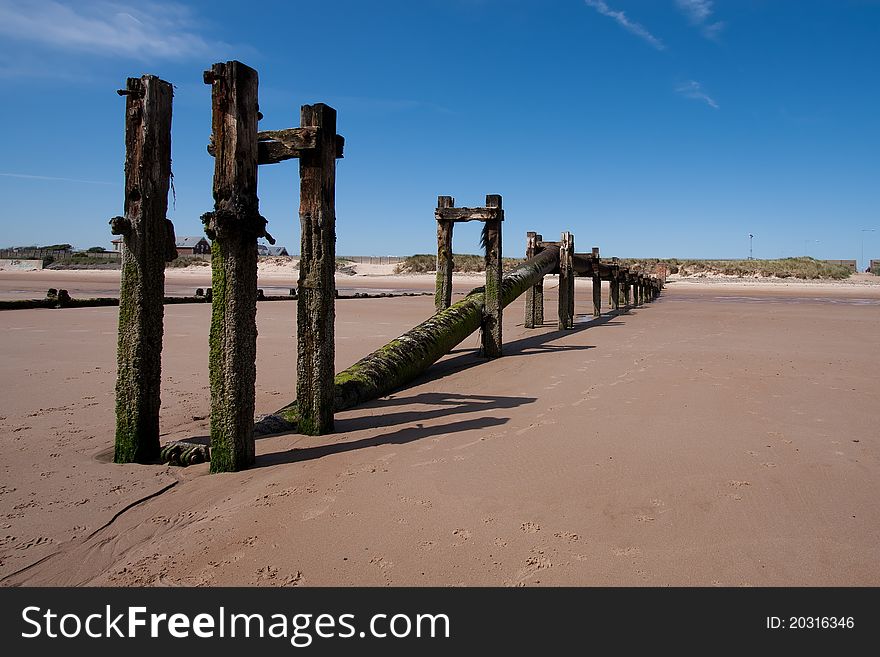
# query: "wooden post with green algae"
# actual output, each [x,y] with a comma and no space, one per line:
[493,310]
[146,233]
[233,226]
[566,283]
[445,264]
[316,287]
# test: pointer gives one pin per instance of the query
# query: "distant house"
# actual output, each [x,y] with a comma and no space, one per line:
[193,246]
[117,244]
[266,250]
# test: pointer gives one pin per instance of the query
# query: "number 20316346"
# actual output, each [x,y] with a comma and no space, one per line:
[810,623]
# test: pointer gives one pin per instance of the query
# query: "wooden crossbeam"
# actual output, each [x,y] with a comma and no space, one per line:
[469,214]
[274,146]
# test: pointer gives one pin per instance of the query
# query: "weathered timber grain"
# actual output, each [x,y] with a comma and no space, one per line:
[531,250]
[403,359]
[233,226]
[316,286]
[492,308]
[445,264]
[144,231]
[597,284]
[565,312]
[614,291]
[469,214]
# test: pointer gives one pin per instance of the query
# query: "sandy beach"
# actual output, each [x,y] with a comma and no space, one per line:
[724,435]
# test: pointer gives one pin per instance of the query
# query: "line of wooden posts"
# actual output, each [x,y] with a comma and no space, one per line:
[234,225]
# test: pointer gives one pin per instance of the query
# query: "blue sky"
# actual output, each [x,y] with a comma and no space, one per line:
[669,128]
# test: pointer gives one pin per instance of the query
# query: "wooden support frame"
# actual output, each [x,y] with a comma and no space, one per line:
[148,242]
[317,146]
[565,311]
[535,294]
[233,226]
[492,215]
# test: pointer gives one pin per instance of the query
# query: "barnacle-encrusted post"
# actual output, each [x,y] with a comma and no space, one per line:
[565,312]
[145,233]
[493,309]
[316,287]
[233,227]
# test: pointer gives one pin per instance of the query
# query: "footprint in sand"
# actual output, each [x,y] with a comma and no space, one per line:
[34,542]
[462,534]
[626,552]
[319,510]
[530,527]
[534,564]
[571,537]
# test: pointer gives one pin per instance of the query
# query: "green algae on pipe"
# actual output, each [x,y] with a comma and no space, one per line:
[404,358]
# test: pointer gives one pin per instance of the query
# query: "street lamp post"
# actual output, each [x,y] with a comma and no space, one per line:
[750,246]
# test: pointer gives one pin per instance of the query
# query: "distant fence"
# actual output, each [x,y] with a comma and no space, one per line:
[374,260]
[851,264]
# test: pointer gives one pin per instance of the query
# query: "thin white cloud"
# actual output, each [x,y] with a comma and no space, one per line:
[141,30]
[621,18]
[694,90]
[54,179]
[699,13]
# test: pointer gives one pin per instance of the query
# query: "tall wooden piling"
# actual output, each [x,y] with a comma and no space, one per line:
[315,312]
[566,282]
[445,264]
[233,226]
[627,291]
[535,294]
[614,293]
[493,309]
[531,249]
[145,232]
[597,284]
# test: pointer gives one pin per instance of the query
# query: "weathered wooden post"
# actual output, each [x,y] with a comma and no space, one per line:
[445,264]
[637,291]
[615,288]
[597,284]
[627,290]
[566,282]
[531,251]
[233,226]
[493,309]
[315,311]
[146,234]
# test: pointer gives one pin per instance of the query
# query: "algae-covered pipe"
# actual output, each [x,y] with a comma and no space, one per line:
[404,358]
